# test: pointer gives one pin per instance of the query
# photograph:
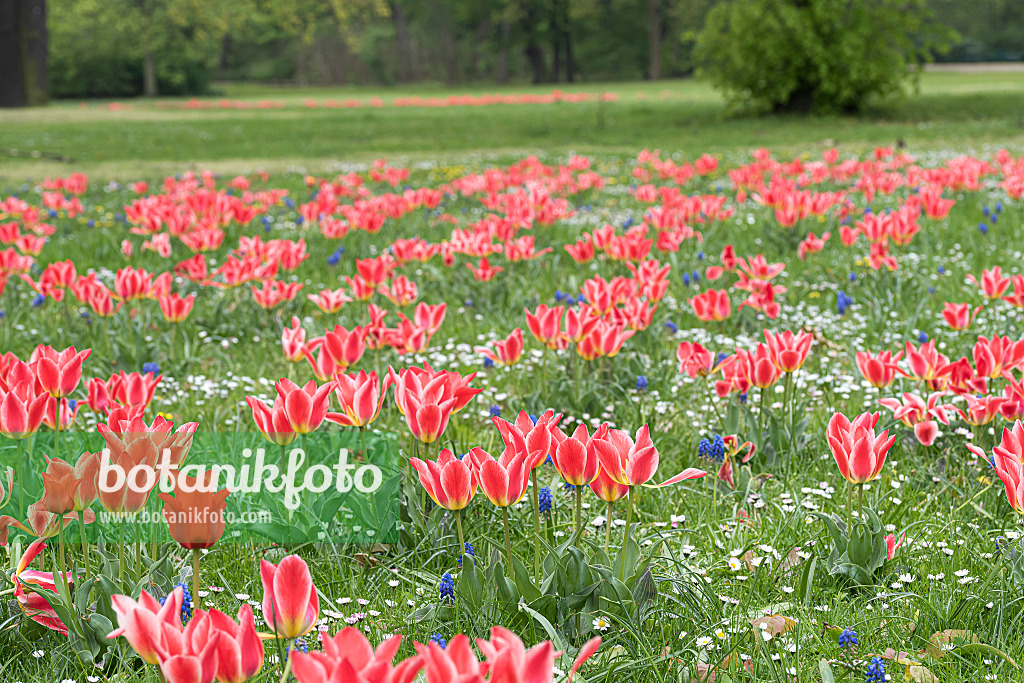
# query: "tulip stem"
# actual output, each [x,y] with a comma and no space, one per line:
[860,501]
[608,527]
[21,478]
[196,554]
[287,667]
[85,543]
[508,545]
[714,406]
[625,536]
[458,526]
[849,507]
[536,526]
[56,427]
[579,504]
[362,437]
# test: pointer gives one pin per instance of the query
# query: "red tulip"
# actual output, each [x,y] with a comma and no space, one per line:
[998,356]
[634,463]
[142,622]
[361,399]
[1008,462]
[22,410]
[758,367]
[695,360]
[535,437]
[239,648]
[788,351]
[606,488]
[429,317]
[981,410]
[195,517]
[305,406]
[504,480]
[290,602]
[58,372]
[927,364]
[546,325]
[330,300]
[576,456]
[293,341]
[343,348]
[506,351]
[175,308]
[272,422]
[712,306]
[450,482]
[189,656]
[41,523]
[31,601]
[959,316]
[349,657]
[857,451]
[993,285]
[880,370]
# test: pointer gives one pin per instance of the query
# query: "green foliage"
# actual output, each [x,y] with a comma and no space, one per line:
[857,552]
[823,55]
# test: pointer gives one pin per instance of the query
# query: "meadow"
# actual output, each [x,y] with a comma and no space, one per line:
[645,299]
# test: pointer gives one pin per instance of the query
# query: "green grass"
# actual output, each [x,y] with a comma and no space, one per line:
[952,109]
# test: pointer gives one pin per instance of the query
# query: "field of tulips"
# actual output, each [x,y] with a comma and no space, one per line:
[644,418]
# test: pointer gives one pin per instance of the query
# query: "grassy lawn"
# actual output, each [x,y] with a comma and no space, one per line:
[150,138]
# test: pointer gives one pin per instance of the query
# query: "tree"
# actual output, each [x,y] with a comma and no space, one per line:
[823,55]
[23,53]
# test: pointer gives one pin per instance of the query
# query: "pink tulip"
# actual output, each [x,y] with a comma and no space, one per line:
[141,622]
[450,482]
[305,406]
[361,399]
[290,601]
[857,451]
[348,657]
[239,648]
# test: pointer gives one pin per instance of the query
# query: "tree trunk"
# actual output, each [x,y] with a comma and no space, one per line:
[533,52]
[24,78]
[654,38]
[403,43]
[149,88]
[502,76]
[556,42]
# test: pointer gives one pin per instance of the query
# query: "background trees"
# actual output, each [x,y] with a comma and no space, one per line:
[120,48]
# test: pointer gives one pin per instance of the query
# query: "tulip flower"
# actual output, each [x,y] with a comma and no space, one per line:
[21,411]
[788,351]
[712,306]
[272,422]
[631,464]
[361,399]
[27,586]
[503,481]
[483,271]
[131,443]
[915,413]
[60,486]
[927,364]
[41,523]
[290,602]
[190,656]
[293,341]
[535,438]
[858,452]
[758,367]
[733,447]
[879,370]
[1007,460]
[981,410]
[142,622]
[998,356]
[993,285]
[546,325]
[344,348]
[892,545]
[695,360]
[506,351]
[305,407]
[959,316]
[195,514]
[58,372]
[450,482]
[330,300]
[239,648]
[175,308]
[348,656]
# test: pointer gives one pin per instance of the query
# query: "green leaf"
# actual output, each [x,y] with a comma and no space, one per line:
[825,670]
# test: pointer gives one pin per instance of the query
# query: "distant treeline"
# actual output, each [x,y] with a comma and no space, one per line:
[121,48]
